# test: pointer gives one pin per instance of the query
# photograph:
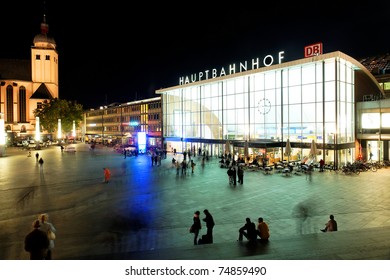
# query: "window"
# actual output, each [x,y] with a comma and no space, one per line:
[47,57]
[38,57]
[22,104]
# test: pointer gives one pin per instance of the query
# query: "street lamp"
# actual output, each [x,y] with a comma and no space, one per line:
[102,108]
[2,135]
[37,130]
[59,130]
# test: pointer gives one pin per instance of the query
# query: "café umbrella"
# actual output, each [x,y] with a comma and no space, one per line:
[227,147]
[246,149]
[313,150]
[288,150]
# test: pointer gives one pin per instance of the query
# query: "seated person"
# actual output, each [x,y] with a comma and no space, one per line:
[331,225]
[248,230]
[240,160]
[254,162]
[262,230]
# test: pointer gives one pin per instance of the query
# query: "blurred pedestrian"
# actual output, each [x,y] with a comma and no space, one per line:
[46,226]
[107,174]
[37,156]
[240,174]
[192,165]
[36,242]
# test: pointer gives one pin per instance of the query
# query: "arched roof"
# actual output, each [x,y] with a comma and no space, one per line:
[362,72]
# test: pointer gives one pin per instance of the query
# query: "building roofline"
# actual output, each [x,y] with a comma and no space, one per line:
[321,57]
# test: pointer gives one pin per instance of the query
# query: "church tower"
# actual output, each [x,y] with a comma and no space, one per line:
[44,61]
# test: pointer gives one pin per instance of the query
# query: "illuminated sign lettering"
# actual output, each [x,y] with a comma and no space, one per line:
[313,50]
[268,60]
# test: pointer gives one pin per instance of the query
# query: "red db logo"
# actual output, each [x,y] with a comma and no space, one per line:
[312,50]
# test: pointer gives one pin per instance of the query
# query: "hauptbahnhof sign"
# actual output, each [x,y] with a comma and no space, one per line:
[268,60]
[255,63]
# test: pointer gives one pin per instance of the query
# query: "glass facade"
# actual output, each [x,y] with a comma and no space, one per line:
[306,102]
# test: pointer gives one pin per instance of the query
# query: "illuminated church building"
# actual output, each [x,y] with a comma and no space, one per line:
[256,107]
[26,84]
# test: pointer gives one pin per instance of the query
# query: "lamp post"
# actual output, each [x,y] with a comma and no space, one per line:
[2,135]
[74,130]
[37,132]
[102,108]
[59,130]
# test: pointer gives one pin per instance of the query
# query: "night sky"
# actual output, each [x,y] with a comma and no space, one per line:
[114,52]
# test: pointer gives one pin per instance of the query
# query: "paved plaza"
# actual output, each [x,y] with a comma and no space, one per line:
[144,212]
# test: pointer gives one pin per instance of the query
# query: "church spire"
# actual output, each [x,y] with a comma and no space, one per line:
[44,25]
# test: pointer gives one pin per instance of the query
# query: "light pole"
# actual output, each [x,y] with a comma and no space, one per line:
[59,131]
[2,135]
[102,108]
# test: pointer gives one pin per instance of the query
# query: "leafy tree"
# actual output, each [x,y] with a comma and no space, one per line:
[51,111]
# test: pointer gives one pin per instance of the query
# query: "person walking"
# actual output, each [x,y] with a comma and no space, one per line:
[107,174]
[331,225]
[209,220]
[184,167]
[322,163]
[234,175]
[192,166]
[262,230]
[37,156]
[46,226]
[40,161]
[196,226]
[36,242]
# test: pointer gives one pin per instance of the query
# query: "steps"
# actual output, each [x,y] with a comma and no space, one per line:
[366,244]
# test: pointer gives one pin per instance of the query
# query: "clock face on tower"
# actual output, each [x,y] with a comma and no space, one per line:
[264,106]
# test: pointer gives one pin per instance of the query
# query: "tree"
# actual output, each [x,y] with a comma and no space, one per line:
[54,109]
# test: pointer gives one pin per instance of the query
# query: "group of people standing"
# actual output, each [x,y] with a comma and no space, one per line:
[234,173]
[197,226]
[39,243]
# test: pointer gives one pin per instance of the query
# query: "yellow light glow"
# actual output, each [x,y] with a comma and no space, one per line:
[37,130]
[74,129]
[59,130]
[2,132]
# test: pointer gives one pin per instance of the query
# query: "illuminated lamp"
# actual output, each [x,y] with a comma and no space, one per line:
[2,136]
[37,130]
[59,130]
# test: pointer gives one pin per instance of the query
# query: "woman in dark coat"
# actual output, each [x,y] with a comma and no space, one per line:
[196,226]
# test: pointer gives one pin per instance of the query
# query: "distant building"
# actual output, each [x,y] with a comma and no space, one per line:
[121,123]
[373,112]
[26,84]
